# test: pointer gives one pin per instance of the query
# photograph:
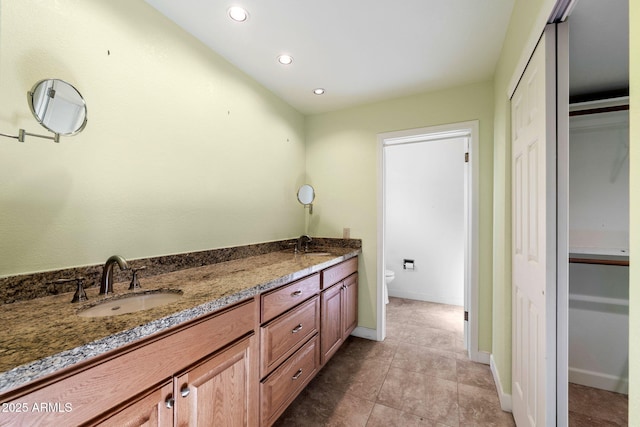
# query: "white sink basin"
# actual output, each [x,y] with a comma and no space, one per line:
[130,304]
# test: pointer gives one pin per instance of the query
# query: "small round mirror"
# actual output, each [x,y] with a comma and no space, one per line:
[58,106]
[306,194]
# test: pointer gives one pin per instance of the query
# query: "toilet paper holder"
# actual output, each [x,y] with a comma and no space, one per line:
[408,264]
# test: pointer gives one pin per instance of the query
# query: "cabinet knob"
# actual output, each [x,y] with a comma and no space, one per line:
[296,293]
[297,375]
[297,329]
[184,391]
[169,401]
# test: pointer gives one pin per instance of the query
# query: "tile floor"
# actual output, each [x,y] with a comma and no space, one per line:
[591,407]
[419,376]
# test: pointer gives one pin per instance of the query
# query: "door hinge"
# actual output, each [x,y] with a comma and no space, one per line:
[466,157]
[466,316]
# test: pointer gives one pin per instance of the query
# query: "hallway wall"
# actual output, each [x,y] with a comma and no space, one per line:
[342,165]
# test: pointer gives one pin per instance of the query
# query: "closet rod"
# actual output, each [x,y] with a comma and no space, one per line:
[620,262]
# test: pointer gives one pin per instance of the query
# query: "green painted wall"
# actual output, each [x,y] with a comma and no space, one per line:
[634,237]
[342,165]
[181,152]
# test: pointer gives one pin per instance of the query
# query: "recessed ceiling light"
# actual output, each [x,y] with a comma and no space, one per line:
[285,59]
[238,14]
[318,91]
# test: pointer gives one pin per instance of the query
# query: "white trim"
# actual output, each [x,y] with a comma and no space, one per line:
[423,297]
[562,224]
[470,129]
[381,310]
[367,333]
[505,398]
[553,221]
[599,380]
[483,357]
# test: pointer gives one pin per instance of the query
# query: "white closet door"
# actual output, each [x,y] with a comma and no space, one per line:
[533,119]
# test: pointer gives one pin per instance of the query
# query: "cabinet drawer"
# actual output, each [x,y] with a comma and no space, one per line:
[282,336]
[282,299]
[333,275]
[279,389]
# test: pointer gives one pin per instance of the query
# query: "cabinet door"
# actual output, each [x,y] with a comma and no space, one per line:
[222,390]
[350,305]
[331,315]
[153,409]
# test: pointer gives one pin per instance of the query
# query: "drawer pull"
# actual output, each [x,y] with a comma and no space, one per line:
[296,293]
[297,375]
[185,391]
[297,329]
[169,402]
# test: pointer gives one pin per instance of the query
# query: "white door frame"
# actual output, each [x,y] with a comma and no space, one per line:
[562,224]
[470,130]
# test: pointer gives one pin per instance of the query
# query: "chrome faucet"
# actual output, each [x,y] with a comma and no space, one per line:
[106,283]
[306,239]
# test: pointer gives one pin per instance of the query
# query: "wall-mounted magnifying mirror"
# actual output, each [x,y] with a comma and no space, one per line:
[58,106]
[306,195]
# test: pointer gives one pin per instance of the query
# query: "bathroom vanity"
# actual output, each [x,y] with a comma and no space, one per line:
[234,354]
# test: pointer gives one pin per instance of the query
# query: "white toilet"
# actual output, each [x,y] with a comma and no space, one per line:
[389,275]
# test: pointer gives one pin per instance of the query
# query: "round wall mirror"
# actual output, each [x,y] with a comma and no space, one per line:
[306,194]
[58,106]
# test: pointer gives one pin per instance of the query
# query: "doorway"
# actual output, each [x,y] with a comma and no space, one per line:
[597,288]
[466,136]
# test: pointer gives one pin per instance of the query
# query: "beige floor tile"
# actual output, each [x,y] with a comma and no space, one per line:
[481,407]
[475,374]
[428,337]
[360,377]
[423,360]
[421,395]
[319,405]
[419,376]
[362,349]
[598,405]
[383,416]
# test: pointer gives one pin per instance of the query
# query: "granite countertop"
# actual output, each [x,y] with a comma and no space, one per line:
[43,335]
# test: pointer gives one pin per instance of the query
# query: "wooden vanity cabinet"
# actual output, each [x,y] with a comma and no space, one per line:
[215,356]
[241,366]
[219,391]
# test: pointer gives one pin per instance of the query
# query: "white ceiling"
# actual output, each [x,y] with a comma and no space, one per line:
[360,51]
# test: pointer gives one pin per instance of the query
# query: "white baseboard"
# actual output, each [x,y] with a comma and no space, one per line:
[598,380]
[505,399]
[399,293]
[367,333]
[481,357]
